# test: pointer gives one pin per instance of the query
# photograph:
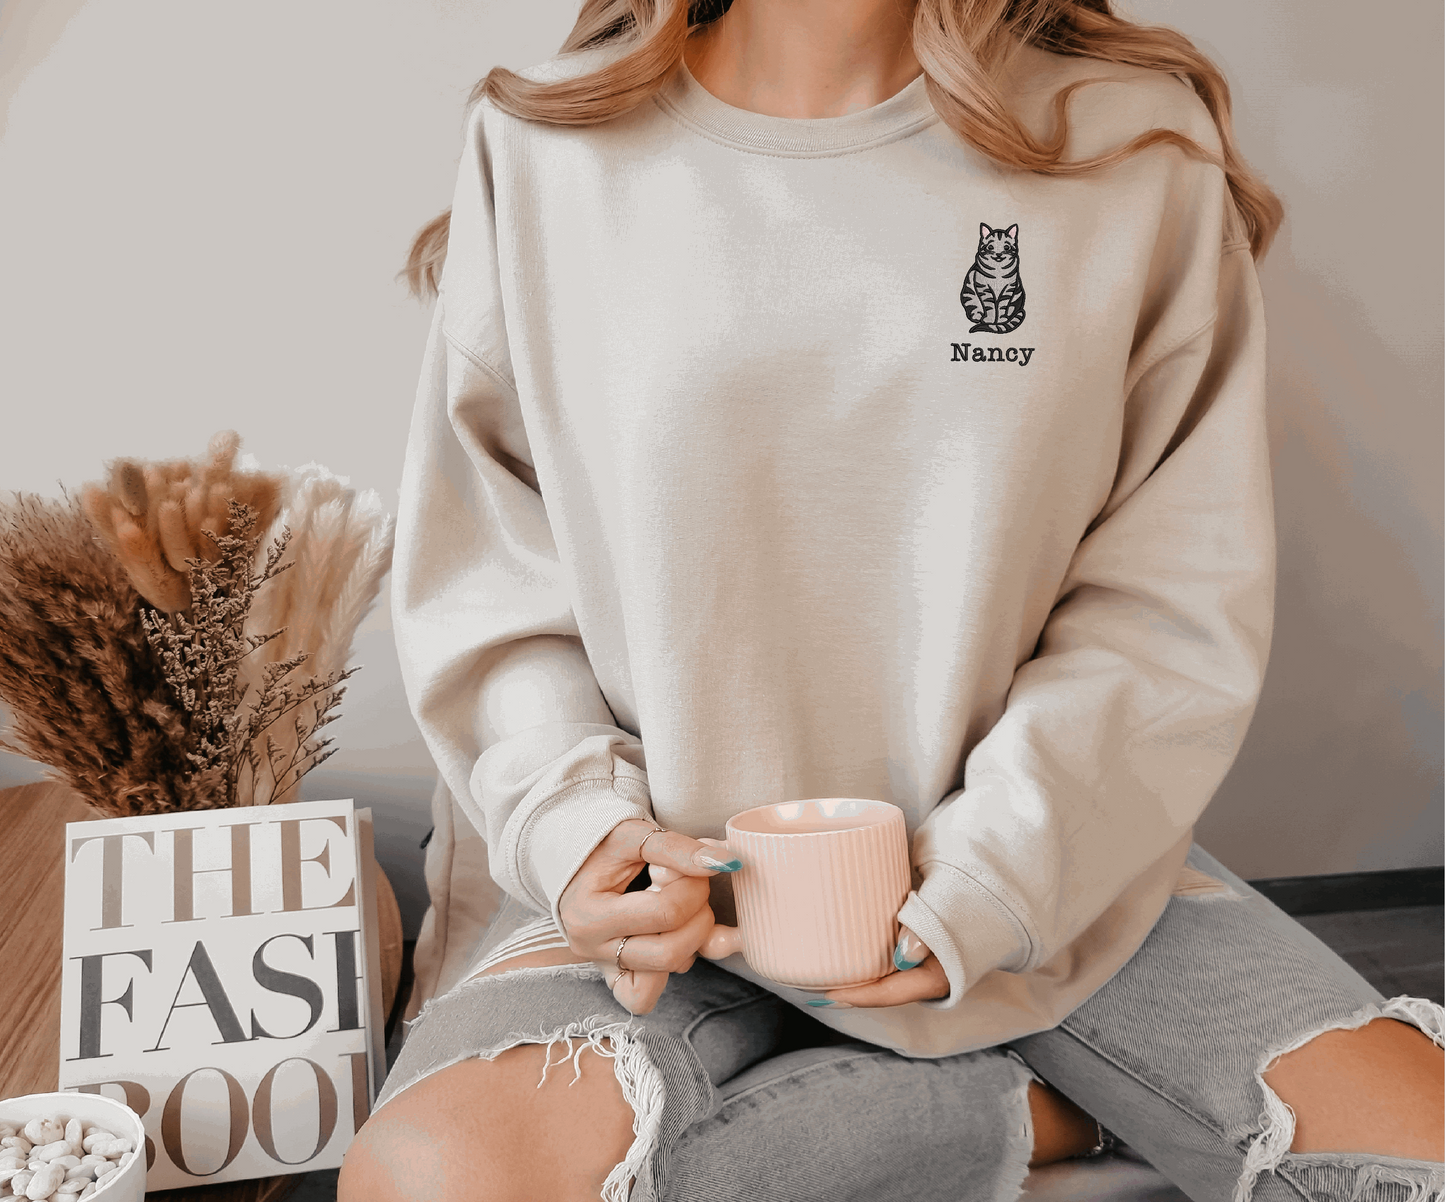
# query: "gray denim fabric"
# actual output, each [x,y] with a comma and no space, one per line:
[739,1095]
[1168,1054]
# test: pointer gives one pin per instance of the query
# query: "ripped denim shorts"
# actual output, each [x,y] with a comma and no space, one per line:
[737,1094]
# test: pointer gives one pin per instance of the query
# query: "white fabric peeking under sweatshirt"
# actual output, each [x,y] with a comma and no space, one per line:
[714,498]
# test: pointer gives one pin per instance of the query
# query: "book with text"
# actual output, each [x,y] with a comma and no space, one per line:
[221,976]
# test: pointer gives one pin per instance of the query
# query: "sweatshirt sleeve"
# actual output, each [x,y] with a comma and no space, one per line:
[490,651]
[1117,731]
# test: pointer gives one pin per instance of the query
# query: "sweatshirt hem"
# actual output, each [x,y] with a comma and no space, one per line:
[945,905]
[567,827]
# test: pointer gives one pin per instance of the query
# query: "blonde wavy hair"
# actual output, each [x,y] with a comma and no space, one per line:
[964,47]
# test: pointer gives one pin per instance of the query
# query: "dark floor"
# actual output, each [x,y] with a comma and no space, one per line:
[1397,951]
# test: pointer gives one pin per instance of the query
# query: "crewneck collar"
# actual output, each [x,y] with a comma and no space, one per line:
[796,137]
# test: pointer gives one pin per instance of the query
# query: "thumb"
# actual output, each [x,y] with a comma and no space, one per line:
[910,952]
[687,856]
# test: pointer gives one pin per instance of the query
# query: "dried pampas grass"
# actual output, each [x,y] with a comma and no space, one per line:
[341,543]
[153,516]
[198,702]
[89,698]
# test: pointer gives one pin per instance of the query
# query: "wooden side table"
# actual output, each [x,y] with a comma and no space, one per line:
[32,886]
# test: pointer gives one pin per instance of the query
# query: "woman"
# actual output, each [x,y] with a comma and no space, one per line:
[862,398]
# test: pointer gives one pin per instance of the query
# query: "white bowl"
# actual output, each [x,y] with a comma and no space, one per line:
[126,1184]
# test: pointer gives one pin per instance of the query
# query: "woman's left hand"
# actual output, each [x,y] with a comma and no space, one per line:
[920,978]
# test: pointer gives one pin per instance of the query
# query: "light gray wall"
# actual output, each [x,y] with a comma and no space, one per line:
[1342,767]
[202,208]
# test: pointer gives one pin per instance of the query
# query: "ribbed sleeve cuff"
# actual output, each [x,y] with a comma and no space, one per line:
[563,831]
[969,929]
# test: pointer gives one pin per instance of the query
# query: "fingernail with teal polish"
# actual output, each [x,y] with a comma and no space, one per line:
[819,1003]
[720,865]
[909,946]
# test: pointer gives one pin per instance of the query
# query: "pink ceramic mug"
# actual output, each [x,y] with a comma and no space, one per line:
[819,891]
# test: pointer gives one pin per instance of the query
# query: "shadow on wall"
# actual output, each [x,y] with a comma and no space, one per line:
[1341,769]
[1358,609]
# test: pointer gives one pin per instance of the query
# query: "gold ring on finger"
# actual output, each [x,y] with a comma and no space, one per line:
[646,837]
[620,946]
[626,972]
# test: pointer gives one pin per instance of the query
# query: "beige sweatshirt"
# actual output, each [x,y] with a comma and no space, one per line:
[717,494]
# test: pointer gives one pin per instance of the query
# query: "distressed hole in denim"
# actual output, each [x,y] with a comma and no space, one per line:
[585,971]
[1193,883]
[641,1083]
[1417,1181]
[1020,1151]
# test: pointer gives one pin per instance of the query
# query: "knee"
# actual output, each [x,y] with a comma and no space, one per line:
[403,1152]
[1378,1089]
[483,1131]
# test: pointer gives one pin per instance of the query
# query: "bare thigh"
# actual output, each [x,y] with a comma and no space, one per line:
[485,1130]
[1379,1088]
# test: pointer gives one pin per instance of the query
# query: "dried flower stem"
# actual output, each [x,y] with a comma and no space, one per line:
[201,652]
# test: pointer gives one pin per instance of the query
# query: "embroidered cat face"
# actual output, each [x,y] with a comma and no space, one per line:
[999,248]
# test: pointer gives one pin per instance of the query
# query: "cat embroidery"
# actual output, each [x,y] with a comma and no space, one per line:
[993,294]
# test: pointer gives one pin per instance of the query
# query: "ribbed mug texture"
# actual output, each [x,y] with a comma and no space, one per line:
[819,909]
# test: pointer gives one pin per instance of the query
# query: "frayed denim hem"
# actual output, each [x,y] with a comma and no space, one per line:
[1353,1176]
[1015,1167]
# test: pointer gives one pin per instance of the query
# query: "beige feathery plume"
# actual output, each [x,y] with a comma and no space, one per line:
[358,592]
[152,515]
[340,550]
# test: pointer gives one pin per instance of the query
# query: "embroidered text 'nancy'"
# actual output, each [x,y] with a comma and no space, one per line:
[991,354]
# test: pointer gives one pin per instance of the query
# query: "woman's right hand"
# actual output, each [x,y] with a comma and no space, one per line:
[664,925]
